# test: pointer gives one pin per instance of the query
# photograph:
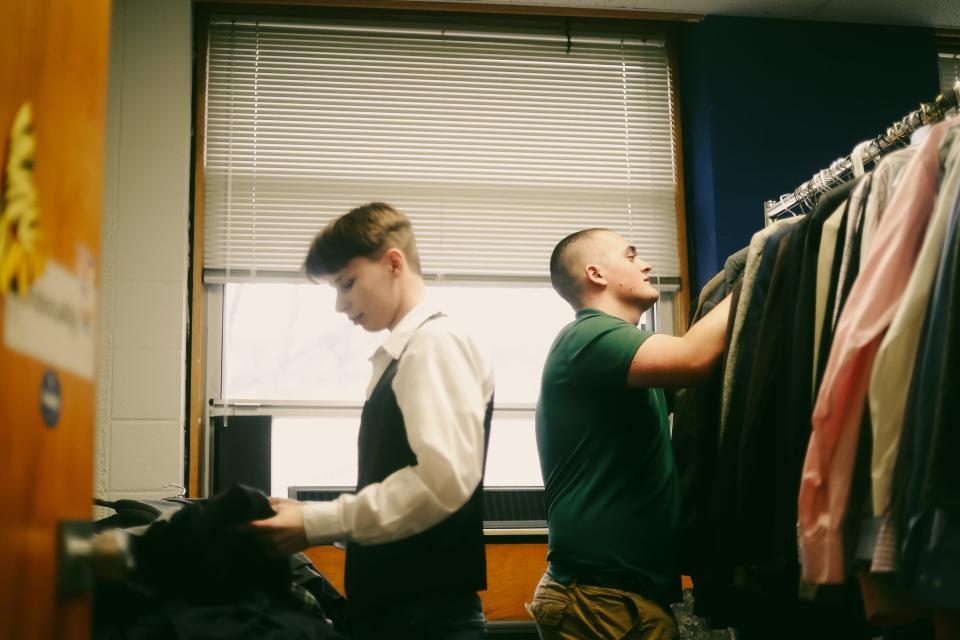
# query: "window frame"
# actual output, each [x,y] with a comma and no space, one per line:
[206,298]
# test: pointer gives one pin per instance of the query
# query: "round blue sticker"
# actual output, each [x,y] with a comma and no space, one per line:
[50,401]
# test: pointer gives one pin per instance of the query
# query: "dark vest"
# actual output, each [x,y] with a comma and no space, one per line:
[447,558]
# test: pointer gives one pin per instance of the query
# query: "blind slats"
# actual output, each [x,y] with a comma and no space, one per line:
[496,145]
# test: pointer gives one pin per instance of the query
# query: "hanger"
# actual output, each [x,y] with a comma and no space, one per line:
[806,195]
[856,157]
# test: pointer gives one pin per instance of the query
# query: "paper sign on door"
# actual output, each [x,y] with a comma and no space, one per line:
[55,322]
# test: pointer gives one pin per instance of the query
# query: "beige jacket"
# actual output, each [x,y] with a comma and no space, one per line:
[828,249]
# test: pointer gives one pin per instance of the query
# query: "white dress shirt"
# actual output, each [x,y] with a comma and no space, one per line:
[443,384]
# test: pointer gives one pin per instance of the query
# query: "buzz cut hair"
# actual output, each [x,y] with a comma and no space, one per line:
[562,272]
[368,231]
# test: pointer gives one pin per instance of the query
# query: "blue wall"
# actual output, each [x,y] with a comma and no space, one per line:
[767,103]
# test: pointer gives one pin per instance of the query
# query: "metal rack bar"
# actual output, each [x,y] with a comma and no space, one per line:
[841,169]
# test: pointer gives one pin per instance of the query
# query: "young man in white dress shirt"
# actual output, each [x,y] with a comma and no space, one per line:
[415,552]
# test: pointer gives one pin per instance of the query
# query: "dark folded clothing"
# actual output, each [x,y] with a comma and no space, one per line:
[197,576]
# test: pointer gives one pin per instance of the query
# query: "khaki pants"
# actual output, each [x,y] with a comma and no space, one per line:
[582,612]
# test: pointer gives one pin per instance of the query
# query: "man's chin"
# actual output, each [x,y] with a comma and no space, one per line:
[649,301]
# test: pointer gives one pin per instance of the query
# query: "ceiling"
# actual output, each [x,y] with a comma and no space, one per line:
[931,13]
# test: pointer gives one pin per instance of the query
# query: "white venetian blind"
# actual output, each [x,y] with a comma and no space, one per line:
[496,144]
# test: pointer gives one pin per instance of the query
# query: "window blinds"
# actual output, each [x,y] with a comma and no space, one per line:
[495,143]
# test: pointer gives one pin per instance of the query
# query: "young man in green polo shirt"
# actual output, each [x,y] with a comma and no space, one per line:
[611,486]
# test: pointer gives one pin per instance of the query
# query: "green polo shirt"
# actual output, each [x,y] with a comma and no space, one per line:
[613,504]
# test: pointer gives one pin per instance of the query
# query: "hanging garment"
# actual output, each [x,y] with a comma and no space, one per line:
[886,178]
[695,426]
[885,529]
[885,548]
[794,414]
[759,264]
[764,449]
[936,576]
[897,352]
[775,428]
[699,414]
[826,323]
[930,562]
[761,535]
[941,482]
[761,259]
[853,244]
[841,282]
[828,467]
[726,482]
[773,443]
[825,256]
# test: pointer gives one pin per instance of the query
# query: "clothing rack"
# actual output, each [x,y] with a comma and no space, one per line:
[841,169]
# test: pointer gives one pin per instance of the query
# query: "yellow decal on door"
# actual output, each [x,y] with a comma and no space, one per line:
[21,261]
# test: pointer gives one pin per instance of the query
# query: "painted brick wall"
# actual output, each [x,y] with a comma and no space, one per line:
[140,397]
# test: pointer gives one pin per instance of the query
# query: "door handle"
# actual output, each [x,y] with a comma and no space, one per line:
[85,556]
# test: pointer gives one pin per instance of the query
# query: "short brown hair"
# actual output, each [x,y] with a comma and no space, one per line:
[564,280]
[368,232]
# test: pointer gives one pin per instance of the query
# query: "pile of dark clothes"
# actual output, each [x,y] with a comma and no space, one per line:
[196,576]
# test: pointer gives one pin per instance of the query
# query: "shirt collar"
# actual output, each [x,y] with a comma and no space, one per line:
[583,312]
[397,341]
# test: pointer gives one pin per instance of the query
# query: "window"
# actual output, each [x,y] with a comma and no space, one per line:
[284,343]
[497,141]
[949,70]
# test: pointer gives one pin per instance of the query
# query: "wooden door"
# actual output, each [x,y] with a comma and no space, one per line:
[53,55]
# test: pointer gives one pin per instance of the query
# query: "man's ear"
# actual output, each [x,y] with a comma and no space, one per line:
[595,274]
[395,260]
